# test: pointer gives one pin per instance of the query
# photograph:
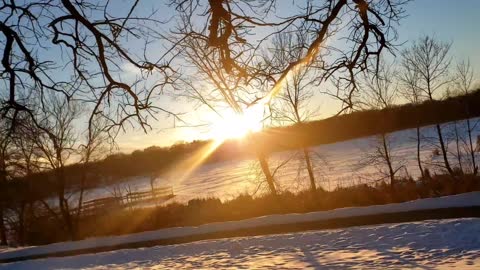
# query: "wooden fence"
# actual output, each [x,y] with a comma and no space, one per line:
[148,196]
[102,205]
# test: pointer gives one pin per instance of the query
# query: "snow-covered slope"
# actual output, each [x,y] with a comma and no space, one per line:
[438,244]
[461,200]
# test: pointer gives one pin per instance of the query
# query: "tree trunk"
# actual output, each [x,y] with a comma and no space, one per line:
[3,231]
[444,150]
[419,159]
[3,180]
[29,217]
[389,163]
[21,224]
[313,185]
[459,154]
[268,174]
[472,149]
[64,209]
[79,205]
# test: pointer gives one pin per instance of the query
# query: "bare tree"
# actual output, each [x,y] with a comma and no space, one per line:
[292,105]
[78,49]
[458,140]
[224,41]
[430,58]
[96,146]
[409,77]
[223,92]
[5,141]
[56,141]
[380,93]
[27,163]
[464,83]
[17,162]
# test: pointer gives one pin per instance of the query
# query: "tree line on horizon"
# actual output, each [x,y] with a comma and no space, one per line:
[154,160]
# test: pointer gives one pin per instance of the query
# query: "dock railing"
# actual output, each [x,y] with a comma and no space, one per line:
[101,205]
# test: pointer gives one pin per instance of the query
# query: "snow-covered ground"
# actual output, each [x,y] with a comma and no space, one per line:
[443,244]
[461,200]
[338,164]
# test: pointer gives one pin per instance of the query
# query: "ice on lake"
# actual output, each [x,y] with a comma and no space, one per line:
[336,165]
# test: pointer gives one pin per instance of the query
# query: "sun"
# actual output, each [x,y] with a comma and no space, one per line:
[236,126]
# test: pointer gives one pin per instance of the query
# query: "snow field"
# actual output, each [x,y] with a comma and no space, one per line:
[439,244]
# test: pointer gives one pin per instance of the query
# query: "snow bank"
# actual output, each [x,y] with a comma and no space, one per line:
[455,201]
[430,244]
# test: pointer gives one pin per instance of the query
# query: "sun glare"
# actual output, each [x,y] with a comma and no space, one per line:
[236,126]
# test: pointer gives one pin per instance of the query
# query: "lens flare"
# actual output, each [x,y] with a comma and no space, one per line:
[184,169]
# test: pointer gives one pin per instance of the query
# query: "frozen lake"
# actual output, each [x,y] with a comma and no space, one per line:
[336,165]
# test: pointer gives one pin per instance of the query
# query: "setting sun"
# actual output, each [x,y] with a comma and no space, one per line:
[235,126]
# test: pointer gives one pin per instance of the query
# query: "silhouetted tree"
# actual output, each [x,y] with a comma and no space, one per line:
[27,164]
[409,77]
[464,84]
[430,58]
[228,93]
[5,142]
[380,93]
[96,146]
[217,41]
[292,104]
[78,49]
[56,140]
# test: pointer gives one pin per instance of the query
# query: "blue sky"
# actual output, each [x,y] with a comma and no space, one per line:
[454,21]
